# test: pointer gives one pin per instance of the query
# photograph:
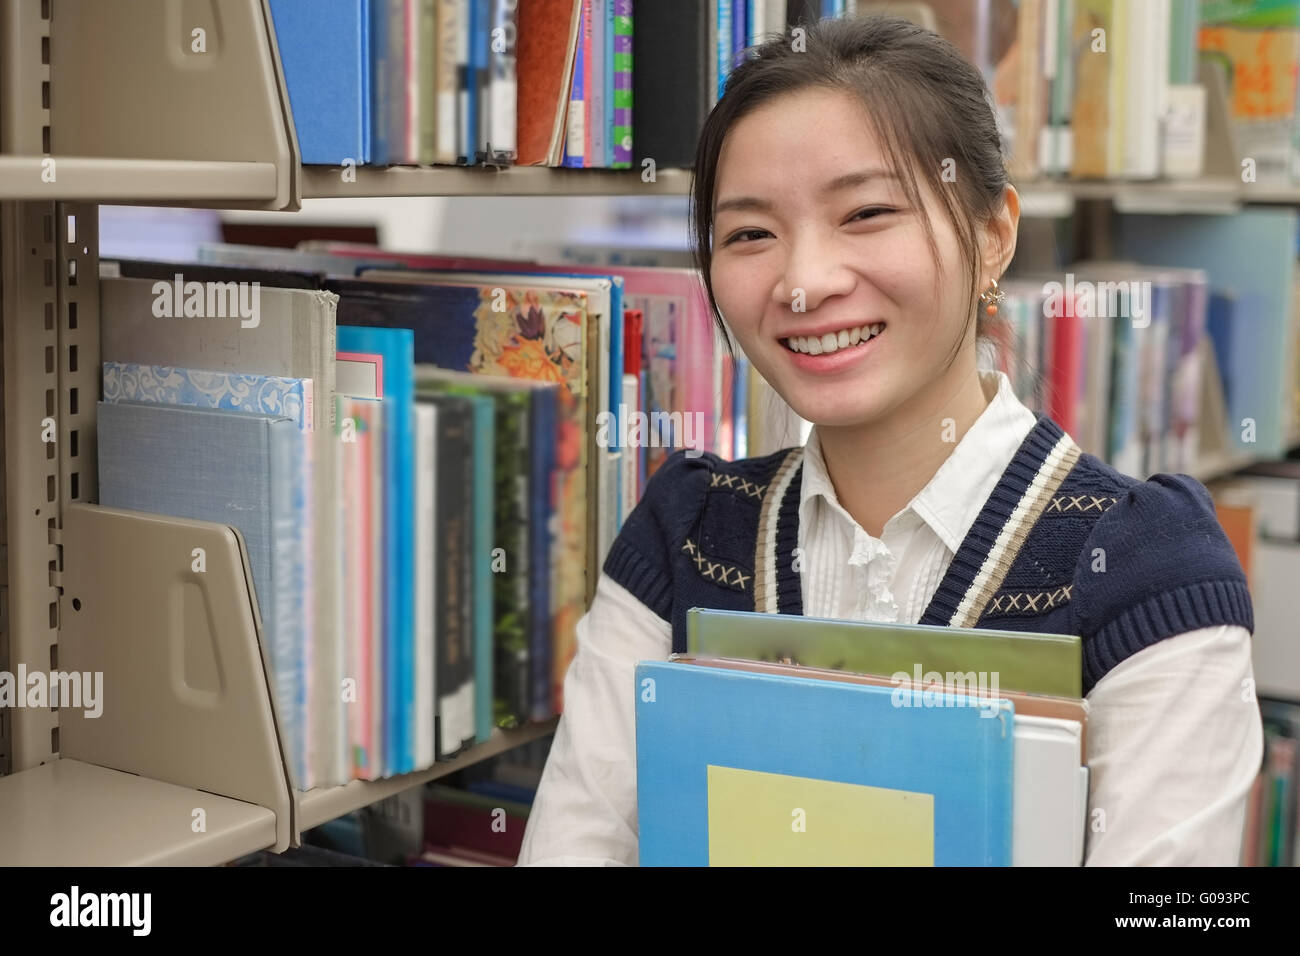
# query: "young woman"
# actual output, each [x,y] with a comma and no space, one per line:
[851,217]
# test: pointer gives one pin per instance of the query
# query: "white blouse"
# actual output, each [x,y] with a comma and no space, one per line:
[1174,741]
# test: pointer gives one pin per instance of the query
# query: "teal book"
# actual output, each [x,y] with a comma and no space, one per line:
[1018,660]
[234,469]
[747,769]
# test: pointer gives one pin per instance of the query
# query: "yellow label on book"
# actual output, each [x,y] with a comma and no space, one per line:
[774,819]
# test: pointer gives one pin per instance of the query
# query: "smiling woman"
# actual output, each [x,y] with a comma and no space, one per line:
[851,215]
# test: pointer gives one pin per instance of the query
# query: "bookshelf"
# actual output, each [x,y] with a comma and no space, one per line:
[89,84]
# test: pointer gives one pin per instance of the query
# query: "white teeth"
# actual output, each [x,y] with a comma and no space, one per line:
[833,341]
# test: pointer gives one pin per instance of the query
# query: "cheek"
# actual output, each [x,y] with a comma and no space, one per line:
[742,287]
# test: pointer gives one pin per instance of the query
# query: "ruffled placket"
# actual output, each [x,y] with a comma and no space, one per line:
[876,564]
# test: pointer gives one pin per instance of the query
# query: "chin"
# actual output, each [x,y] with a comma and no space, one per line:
[840,411]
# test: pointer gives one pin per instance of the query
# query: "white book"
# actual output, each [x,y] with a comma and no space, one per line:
[1050,806]
[426,436]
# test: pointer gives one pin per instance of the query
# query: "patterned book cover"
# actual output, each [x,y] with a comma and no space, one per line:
[622,84]
[196,388]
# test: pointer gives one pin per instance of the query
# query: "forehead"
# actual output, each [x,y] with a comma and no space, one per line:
[796,142]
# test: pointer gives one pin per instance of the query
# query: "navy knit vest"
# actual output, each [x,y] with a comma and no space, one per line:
[1063,545]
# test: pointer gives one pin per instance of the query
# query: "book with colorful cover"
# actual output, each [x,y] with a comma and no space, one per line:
[743,769]
[538,334]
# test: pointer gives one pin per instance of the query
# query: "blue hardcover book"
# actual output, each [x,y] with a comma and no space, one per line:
[484,480]
[737,768]
[395,350]
[235,469]
[325,52]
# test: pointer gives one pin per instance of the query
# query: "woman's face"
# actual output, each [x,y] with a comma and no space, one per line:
[815,245]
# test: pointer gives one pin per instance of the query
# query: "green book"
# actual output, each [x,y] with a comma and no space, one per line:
[1016,660]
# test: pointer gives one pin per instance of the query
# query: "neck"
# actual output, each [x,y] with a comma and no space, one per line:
[878,467]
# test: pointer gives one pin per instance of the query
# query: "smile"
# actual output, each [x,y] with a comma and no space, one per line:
[833,341]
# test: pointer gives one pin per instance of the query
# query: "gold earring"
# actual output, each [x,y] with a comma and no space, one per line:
[991,297]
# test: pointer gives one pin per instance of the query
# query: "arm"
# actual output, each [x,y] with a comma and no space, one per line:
[1174,744]
[585,809]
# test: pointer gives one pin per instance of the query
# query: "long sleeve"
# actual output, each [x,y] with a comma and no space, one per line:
[585,809]
[1175,741]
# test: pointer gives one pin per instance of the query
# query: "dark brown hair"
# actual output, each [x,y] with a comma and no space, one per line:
[924,101]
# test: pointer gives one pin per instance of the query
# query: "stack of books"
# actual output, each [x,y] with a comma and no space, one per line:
[783,740]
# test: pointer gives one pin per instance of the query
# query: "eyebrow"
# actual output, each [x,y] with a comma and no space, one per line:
[838,184]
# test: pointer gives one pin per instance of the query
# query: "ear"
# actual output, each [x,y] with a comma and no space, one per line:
[998,241]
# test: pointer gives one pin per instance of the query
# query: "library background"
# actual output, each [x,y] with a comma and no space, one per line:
[328,327]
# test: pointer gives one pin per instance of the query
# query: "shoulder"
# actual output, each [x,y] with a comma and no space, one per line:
[1155,563]
[686,486]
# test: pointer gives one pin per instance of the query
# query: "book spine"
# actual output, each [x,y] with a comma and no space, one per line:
[544,498]
[504,147]
[722,54]
[600,105]
[465,111]
[576,134]
[286,600]
[465,579]
[425,583]
[446,80]
[483,480]
[622,98]
[589,74]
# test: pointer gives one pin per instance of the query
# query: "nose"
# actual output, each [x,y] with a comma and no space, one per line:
[814,266]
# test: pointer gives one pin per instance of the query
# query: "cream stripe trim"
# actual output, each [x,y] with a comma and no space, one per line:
[1006,548]
[765,551]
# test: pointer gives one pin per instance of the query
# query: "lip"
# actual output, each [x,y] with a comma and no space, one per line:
[829,362]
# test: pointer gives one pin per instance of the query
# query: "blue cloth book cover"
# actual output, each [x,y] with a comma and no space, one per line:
[235,469]
[396,385]
[325,52]
[743,769]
